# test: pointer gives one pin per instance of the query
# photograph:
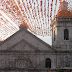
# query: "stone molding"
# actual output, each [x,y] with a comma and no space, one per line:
[20,42]
[65,19]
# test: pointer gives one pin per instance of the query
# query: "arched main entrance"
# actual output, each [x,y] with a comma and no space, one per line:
[48,63]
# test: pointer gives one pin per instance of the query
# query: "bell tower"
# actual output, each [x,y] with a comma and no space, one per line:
[62,28]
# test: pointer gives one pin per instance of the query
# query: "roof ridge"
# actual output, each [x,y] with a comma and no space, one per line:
[31,35]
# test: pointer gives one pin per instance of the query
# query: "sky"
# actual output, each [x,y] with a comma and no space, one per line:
[47,39]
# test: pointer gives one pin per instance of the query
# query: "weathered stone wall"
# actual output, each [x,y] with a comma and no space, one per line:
[22,61]
[30,70]
[26,60]
[64,60]
[24,51]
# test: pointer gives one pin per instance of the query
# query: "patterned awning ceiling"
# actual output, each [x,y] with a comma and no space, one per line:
[35,14]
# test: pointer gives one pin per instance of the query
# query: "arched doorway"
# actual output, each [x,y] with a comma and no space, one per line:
[48,63]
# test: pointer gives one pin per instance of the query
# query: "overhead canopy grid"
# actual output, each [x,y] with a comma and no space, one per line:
[36,15]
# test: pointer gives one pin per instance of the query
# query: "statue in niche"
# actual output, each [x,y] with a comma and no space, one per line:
[67,62]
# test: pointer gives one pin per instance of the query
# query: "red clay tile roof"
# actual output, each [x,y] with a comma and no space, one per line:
[64,13]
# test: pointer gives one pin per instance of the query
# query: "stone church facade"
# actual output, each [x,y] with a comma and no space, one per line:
[24,52]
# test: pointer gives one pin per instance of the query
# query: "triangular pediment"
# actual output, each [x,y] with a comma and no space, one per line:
[22,45]
[23,39]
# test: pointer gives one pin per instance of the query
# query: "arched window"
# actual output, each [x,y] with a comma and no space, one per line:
[66,34]
[54,35]
[48,63]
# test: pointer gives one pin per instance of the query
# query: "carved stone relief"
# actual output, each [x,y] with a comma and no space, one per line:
[24,62]
[9,63]
[18,61]
[21,64]
[12,64]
